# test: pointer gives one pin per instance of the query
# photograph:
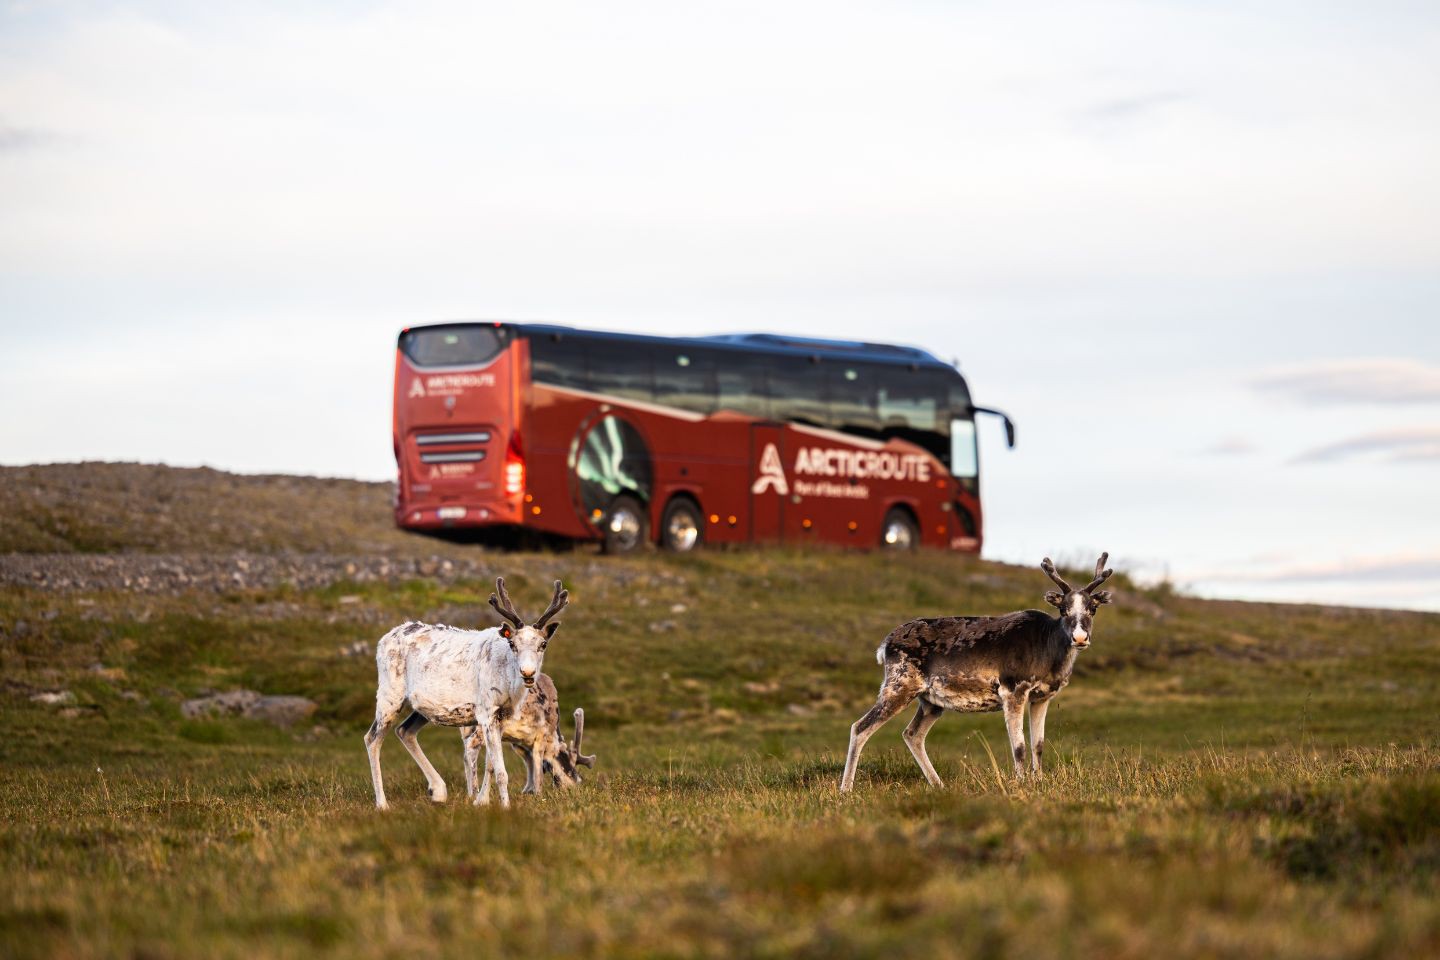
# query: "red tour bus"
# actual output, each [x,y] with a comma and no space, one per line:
[683,441]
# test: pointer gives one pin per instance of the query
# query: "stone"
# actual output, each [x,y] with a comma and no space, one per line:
[282,711]
[227,703]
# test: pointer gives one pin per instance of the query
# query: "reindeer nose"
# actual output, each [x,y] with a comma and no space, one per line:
[1081,638]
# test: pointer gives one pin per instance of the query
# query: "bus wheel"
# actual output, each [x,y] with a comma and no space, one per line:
[899,531]
[626,526]
[681,527]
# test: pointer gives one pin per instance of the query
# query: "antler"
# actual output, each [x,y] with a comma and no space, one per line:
[1049,567]
[1101,574]
[503,606]
[575,744]
[557,603]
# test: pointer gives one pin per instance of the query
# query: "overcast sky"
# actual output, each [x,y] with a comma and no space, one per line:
[1193,248]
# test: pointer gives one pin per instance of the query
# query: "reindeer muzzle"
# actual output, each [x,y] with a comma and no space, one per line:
[1081,640]
[529,679]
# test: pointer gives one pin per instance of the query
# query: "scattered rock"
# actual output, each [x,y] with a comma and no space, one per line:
[350,597]
[282,711]
[797,709]
[662,626]
[753,686]
[53,698]
[229,703]
[678,608]
[357,649]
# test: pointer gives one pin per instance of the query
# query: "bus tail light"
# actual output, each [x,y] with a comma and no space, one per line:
[514,468]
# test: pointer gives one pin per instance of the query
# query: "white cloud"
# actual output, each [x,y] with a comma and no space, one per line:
[1407,446]
[1377,380]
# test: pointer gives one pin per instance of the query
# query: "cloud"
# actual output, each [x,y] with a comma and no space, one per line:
[1230,447]
[1371,570]
[23,138]
[1131,108]
[1406,446]
[1398,568]
[1382,380]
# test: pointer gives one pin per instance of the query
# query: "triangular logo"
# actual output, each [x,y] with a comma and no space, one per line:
[772,472]
[417,389]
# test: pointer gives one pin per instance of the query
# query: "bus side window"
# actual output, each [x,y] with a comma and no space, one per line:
[797,391]
[912,405]
[685,379]
[621,369]
[851,388]
[740,386]
[558,361]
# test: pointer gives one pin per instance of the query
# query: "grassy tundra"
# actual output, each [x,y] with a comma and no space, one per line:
[1223,779]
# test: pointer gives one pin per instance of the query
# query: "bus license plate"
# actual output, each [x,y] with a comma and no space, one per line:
[451,513]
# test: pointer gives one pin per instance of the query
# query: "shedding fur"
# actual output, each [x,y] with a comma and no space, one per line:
[1008,663]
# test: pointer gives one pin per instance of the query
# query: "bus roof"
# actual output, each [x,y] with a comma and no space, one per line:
[769,343]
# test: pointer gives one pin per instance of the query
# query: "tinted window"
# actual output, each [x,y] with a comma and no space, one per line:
[740,385]
[685,379]
[453,346]
[851,388]
[621,369]
[559,361]
[797,391]
[913,405]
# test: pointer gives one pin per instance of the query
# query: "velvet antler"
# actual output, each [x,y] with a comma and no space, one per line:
[1101,574]
[1049,567]
[580,758]
[557,603]
[503,606]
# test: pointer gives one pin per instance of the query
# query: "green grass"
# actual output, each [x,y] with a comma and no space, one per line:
[1225,779]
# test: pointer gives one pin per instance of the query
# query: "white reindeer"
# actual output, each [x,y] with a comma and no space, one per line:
[459,678]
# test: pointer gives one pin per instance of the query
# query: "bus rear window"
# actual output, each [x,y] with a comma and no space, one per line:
[457,346]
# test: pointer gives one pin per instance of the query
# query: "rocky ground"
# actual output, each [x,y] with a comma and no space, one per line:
[149,508]
[151,529]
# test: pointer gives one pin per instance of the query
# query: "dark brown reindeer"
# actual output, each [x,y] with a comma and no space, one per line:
[977,664]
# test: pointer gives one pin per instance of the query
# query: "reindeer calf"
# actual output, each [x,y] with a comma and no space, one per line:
[533,732]
[973,664]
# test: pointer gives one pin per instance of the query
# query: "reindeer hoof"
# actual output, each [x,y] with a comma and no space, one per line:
[438,796]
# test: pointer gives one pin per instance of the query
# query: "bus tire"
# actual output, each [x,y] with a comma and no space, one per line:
[682,527]
[899,531]
[626,527]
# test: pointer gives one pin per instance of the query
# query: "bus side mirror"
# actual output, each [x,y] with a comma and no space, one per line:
[1009,424]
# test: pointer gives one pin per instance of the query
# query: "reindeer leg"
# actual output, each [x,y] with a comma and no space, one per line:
[495,760]
[527,755]
[473,745]
[1037,735]
[915,732]
[899,688]
[385,714]
[408,734]
[466,733]
[1013,703]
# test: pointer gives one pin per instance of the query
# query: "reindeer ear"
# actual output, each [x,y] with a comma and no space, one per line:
[550,628]
[505,631]
[1100,596]
[1054,598]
